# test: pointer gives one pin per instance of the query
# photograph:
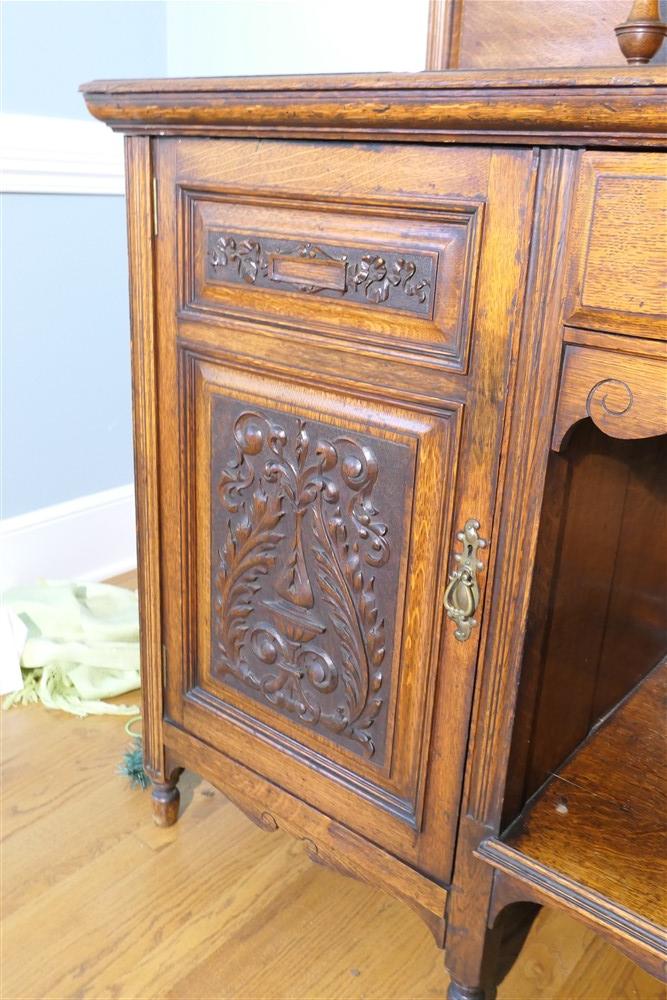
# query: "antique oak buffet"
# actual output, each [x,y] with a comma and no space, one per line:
[399,400]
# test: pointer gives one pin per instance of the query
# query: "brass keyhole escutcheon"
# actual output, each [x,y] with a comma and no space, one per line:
[462,593]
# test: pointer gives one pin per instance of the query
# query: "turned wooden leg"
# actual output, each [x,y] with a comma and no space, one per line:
[457,991]
[501,947]
[166,800]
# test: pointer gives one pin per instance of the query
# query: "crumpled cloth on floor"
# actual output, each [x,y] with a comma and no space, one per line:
[81,646]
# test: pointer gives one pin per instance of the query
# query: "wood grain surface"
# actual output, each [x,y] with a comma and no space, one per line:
[609,794]
[524,476]
[459,217]
[612,791]
[588,644]
[325,369]
[618,241]
[623,400]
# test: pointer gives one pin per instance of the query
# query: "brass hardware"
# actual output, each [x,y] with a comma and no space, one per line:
[462,593]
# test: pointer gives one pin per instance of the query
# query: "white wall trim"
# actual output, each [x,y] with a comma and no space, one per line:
[89,538]
[43,155]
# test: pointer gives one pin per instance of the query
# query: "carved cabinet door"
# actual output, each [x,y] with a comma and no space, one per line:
[336,328]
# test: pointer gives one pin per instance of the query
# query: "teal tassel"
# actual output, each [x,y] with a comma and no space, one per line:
[133,761]
[132,766]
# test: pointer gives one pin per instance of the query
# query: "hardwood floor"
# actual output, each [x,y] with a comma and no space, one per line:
[100,903]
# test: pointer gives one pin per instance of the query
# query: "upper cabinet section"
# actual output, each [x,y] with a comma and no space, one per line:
[618,245]
[619,107]
[479,34]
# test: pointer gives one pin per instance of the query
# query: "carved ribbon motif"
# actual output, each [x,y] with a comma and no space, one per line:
[375,278]
[301,541]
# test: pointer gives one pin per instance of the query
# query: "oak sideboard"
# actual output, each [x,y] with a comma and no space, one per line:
[400,377]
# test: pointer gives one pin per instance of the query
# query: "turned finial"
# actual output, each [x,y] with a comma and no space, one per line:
[641,34]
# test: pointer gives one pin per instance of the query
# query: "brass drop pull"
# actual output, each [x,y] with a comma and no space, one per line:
[462,593]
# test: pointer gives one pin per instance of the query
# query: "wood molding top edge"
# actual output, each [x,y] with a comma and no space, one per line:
[460,79]
[619,107]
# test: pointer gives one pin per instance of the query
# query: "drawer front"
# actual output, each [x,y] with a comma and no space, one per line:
[319,451]
[618,245]
[373,274]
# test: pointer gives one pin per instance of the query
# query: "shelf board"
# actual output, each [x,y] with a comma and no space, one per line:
[593,838]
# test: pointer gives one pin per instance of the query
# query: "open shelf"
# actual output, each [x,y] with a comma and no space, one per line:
[594,838]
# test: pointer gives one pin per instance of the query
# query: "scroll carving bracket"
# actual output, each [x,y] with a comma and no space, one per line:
[624,400]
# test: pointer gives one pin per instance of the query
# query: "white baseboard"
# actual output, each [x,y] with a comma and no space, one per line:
[89,538]
[43,155]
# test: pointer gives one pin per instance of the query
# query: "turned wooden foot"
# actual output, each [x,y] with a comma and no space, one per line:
[166,800]
[457,991]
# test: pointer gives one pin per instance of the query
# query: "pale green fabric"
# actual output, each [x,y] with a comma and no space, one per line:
[82,646]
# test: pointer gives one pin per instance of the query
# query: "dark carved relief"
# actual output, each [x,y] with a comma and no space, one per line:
[387,279]
[305,571]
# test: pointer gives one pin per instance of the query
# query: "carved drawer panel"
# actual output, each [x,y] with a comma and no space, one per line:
[379,273]
[312,641]
[617,278]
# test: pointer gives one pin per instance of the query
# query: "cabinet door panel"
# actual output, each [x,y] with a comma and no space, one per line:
[318,455]
[317,523]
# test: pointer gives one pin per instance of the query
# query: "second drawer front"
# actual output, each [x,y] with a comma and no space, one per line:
[618,245]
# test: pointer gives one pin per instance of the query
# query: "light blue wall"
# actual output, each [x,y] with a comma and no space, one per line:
[66,386]
[49,48]
[65,328]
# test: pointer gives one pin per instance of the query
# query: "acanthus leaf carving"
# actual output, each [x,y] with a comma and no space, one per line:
[248,553]
[275,605]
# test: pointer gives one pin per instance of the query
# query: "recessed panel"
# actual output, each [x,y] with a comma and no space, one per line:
[618,245]
[628,213]
[308,522]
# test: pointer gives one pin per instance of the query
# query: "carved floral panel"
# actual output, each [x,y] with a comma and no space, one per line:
[367,276]
[307,533]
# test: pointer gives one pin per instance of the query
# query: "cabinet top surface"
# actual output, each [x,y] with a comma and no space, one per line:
[607,106]
[464,79]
